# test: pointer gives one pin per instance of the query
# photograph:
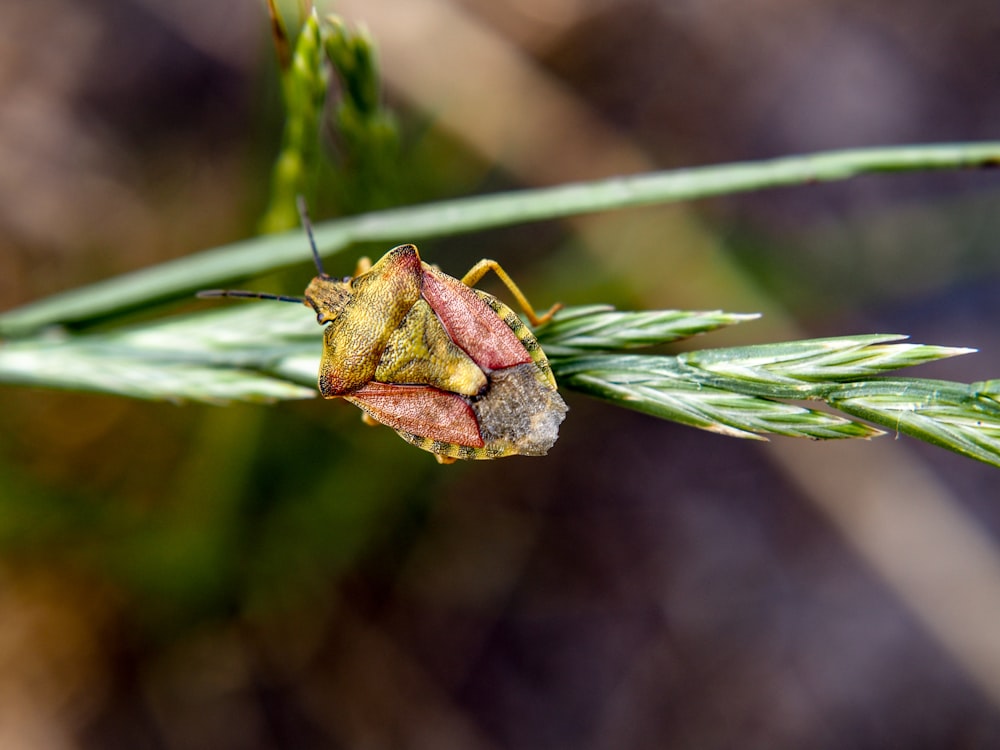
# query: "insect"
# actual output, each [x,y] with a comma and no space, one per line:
[451,368]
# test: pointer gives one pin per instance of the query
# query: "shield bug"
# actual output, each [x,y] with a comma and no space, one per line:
[451,368]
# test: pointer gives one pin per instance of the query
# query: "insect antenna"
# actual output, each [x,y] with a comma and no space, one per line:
[207,293]
[300,201]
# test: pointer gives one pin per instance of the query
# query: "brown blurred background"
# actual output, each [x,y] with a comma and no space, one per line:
[283,577]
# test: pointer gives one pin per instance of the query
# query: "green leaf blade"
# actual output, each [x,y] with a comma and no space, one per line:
[446,218]
[604,329]
[82,369]
[632,383]
[795,366]
[218,356]
[949,415]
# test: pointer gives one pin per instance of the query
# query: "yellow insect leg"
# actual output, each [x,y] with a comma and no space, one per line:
[485,266]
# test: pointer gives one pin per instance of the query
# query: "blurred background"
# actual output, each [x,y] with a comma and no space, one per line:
[276,577]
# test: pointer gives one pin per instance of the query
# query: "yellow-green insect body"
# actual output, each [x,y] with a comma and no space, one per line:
[452,369]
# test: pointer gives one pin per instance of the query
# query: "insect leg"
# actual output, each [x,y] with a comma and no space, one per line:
[485,266]
[364,265]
